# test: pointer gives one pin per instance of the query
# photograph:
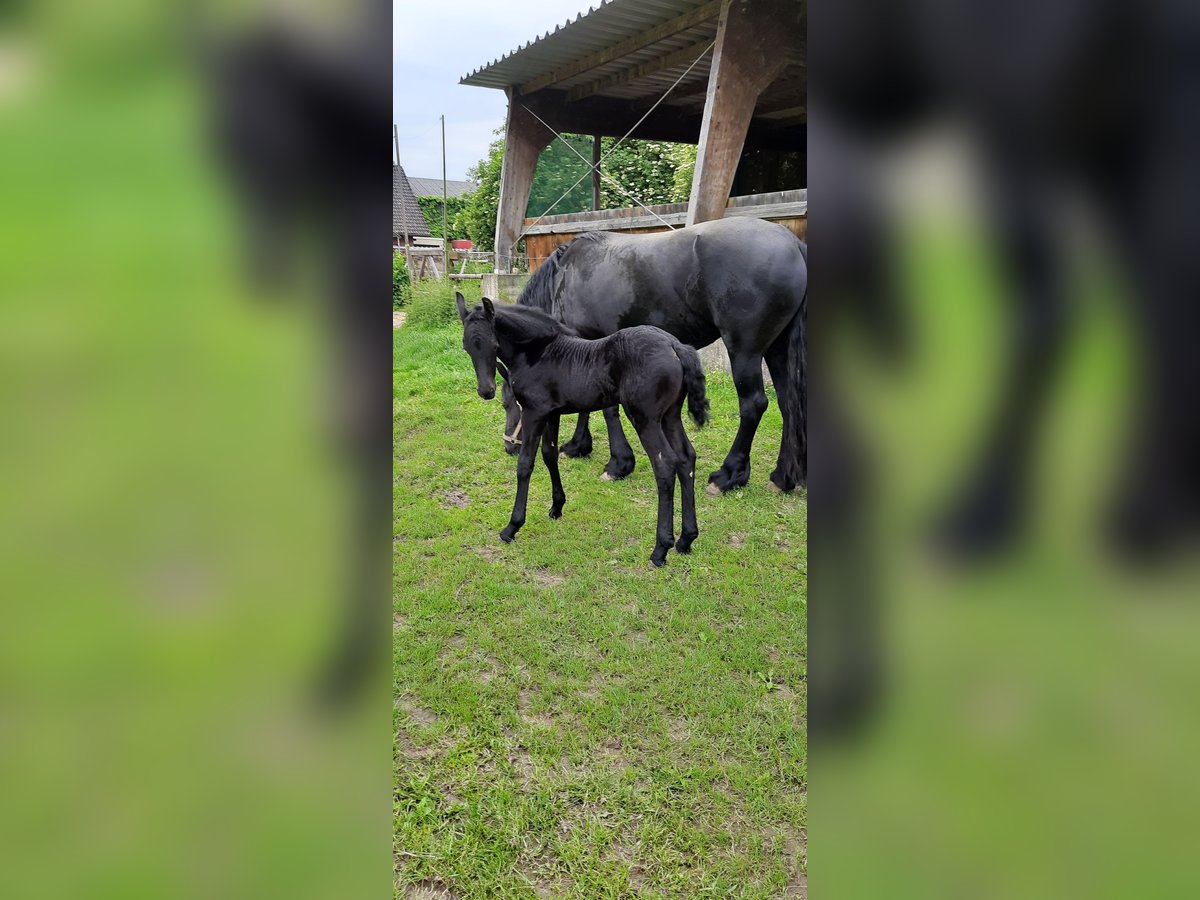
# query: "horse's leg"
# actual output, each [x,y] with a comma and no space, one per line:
[663,461]
[525,463]
[550,458]
[580,444]
[989,511]
[620,454]
[685,467]
[752,403]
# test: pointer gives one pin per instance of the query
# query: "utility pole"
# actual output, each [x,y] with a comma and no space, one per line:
[403,207]
[445,232]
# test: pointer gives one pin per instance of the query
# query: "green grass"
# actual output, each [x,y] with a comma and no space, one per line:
[569,721]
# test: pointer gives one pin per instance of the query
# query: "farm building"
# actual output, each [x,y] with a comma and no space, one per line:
[727,75]
[432,187]
[407,221]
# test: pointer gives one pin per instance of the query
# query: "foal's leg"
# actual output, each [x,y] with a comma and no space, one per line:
[550,458]
[663,460]
[752,403]
[580,444]
[620,454]
[685,467]
[525,463]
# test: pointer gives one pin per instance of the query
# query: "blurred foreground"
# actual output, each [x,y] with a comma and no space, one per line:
[176,550]
[1005,447]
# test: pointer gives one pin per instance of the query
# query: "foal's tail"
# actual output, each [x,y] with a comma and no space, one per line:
[693,383]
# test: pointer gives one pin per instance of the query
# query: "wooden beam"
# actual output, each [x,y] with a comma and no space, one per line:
[641,70]
[613,117]
[624,48]
[785,112]
[746,59]
[524,139]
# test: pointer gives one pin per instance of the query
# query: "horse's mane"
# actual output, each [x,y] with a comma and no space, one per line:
[539,291]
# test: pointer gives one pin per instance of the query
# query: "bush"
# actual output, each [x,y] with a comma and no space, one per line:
[432,306]
[401,283]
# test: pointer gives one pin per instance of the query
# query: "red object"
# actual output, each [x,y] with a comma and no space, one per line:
[462,245]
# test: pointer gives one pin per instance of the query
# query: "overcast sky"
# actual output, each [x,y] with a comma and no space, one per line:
[435,44]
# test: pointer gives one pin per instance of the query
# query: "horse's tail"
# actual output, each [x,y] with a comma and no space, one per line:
[693,383]
[795,438]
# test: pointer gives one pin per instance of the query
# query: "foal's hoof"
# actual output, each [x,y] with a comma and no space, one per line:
[507,536]
[658,563]
[684,545]
[604,476]
[774,488]
[555,513]
[712,490]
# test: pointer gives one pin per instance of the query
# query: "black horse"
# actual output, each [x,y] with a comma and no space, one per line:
[551,371]
[743,280]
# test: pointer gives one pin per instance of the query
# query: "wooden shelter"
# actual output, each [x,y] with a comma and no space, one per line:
[727,75]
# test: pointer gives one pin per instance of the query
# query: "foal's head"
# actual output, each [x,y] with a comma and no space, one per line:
[479,340]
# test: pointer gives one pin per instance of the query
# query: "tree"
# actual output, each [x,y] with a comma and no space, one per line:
[653,171]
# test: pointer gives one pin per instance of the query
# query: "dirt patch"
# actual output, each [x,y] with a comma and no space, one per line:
[430,889]
[399,622]
[556,887]
[796,848]
[547,579]
[489,669]
[524,707]
[613,752]
[398,317]
[678,731]
[797,886]
[737,540]
[453,499]
[418,714]
[490,553]
[523,767]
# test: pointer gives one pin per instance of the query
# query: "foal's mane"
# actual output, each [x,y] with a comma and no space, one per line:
[539,290]
[527,325]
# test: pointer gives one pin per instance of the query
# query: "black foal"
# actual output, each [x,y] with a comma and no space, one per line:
[552,372]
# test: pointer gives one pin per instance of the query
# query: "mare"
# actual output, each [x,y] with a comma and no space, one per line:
[743,280]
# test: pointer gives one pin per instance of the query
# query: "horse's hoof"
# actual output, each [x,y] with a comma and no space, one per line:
[604,476]
[658,563]
[681,547]
[712,490]
[555,513]
[506,537]
[774,488]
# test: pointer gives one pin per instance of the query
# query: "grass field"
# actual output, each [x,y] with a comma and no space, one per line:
[569,721]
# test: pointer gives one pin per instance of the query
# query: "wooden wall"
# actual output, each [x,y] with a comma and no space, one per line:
[788,208]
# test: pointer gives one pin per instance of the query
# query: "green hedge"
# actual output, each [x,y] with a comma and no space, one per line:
[401,283]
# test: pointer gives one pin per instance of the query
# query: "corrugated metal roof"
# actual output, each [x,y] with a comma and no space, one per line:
[603,26]
[432,187]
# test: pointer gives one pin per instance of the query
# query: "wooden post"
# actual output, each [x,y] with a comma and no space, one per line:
[595,171]
[524,140]
[746,58]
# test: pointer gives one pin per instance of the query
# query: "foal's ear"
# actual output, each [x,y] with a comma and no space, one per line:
[488,309]
[462,305]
